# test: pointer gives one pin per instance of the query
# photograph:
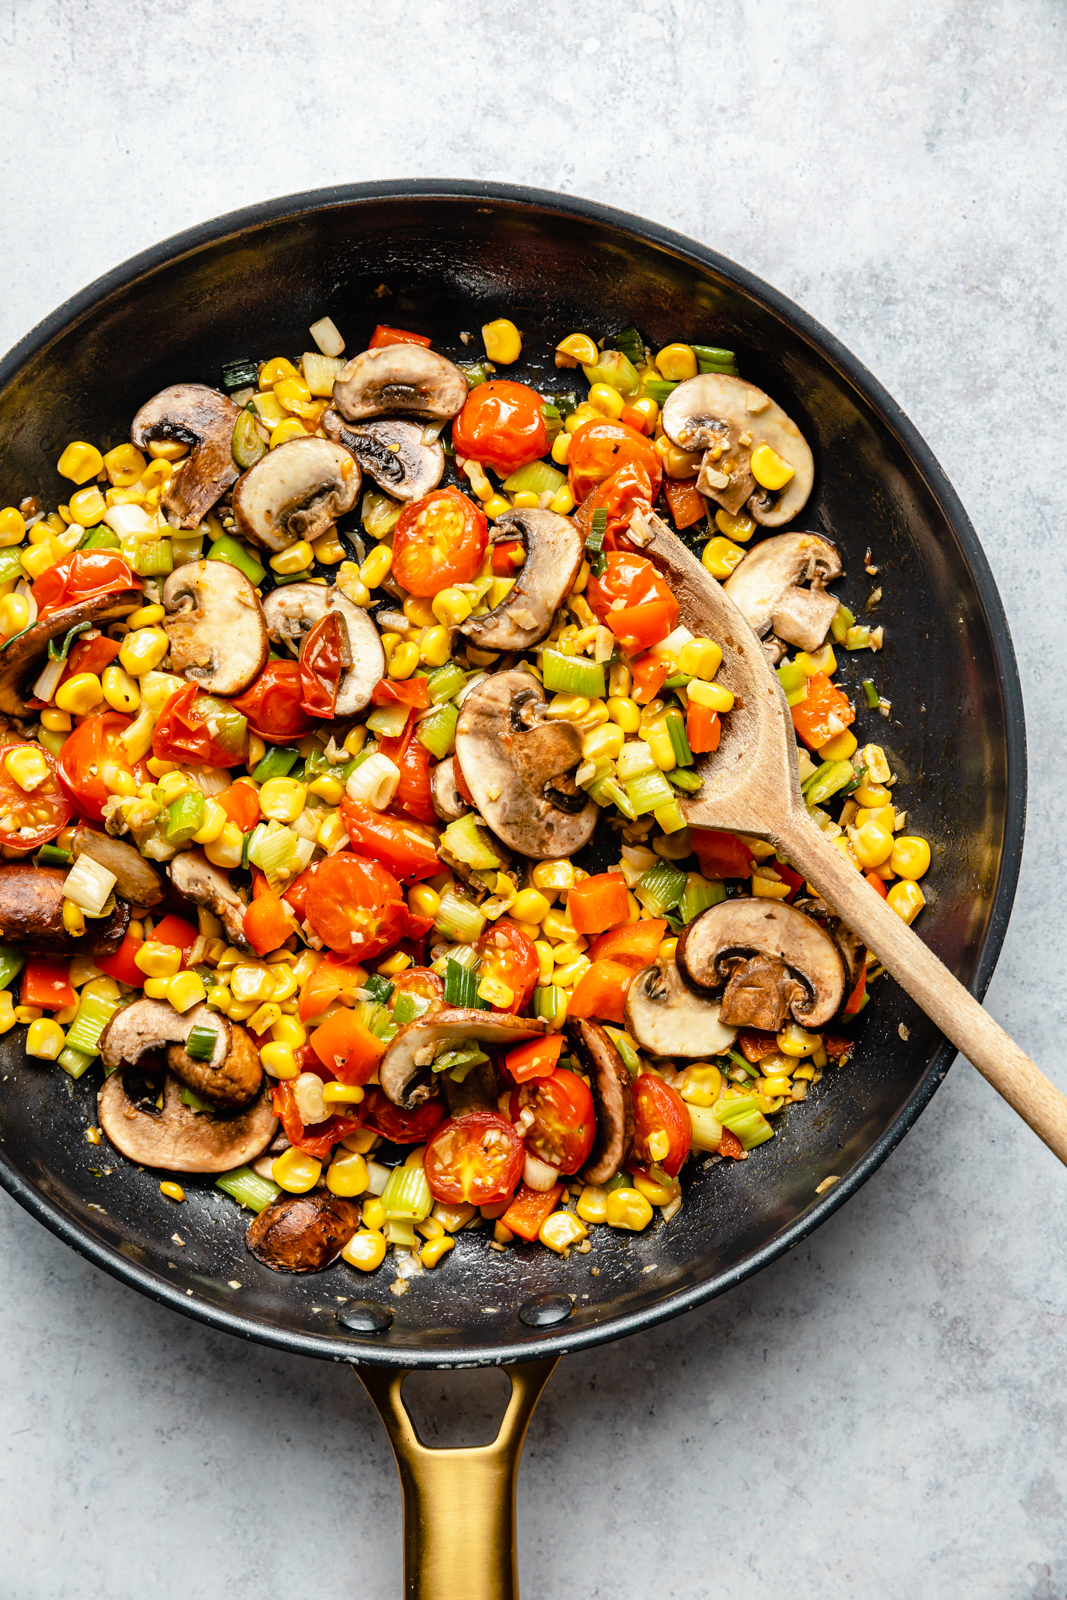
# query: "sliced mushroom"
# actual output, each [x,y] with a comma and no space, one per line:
[773,960]
[21,658]
[479,1091]
[230,1079]
[519,766]
[391,452]
[192,414]
[405,1070]
[296,491]
[292,611]
[178,1139]
[217,634]
[136,880]
[613,1098]
[554,552]
[729,419]
[303,1232]
[447,800]
[852,948]
[399,380]
[31,915]
[765,587]
[667,1018]
[193,876]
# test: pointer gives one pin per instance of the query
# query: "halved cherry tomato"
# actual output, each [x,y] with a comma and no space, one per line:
[508,955]
[383,335]
[564,1122]
[93,743]
[649,610]
[330,978]
[400,1127]
[439,541]
[319,1139]
[398,844]
[196,727]
[273,704]
[321,666]
[599,449]
[295,894]
[685,500]
[268,922]
[649,673]
[415,763]
[241,803]
[502,425]
[355,906]
[46,983]
[659,1109]
[477,1158]
[29,820]
[82,576]
[346,1045]
[421,981]
[619,496]
[721,855]
[90,655]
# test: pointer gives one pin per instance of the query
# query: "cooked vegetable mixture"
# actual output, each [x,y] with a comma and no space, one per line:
[342,801]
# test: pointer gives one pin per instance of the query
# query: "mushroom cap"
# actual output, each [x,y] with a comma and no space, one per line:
[744,929]
[399,379]
[204,418]
[554,554]
[193,875]
[404,1072]
[178,1139]
[217,634]
[667,1018]
[136,880]
[613,1099]
[714,409]
[303,1232]
[447,800]
[764,587]
[296,491]
[31,915]
[519,767]
[390,451]
[230,1079]
[21,660]
[292,611]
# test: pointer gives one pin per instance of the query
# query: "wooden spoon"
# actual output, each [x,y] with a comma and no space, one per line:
[752,785]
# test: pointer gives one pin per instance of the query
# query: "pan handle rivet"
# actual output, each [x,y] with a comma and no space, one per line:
[545,1309]
[365,1316]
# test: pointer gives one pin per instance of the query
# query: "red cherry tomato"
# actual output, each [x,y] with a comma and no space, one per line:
[564,1121]
[599,449]
[321,666]
[440,540]
[502,425]
[405,850]
[355,906]
[508,954]
[414,763]
[660,1111]
[29,820]
[82,576]
[95,741]
[477,1159]
[241,803]
[197,727]
[400,1127]
[649,610]
[424,984]
[384,335]
[619,496]
[273,704]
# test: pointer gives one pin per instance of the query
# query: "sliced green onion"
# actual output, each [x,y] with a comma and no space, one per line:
[842,622]
[712,359]
[616,370]
[185,816]
[572,675]
[445,682]
[459,920]
[870,694]
[89,885]
[438,732]
[231,551]
[565,403]
[537,478]
[698,895]
[50,855]
[792,677]
[190,1098]
[679,743]
[681,680]
[380,987]
[687,782]
[239,375]
[100,538]
[660,888]
[380,514]
[461,988]
[11,566]
[12,962]
[377,1019]
[671,817]
[627,1054]
[389,722]
[858,638]
[594,539]
[745,1121]
[467,839]
[649,790]
[200,1045]
[278,855]
[550,1002]
[458,1062]
[278,762]
[409,1007]
[400,1234]
[706,1128]
[630,342]
[149,558]
[657,389]
[227,727]
[95,1011]
[246,446]
[406,1197]
[827,780]
[248,1188]
[74,1062]
[608,791]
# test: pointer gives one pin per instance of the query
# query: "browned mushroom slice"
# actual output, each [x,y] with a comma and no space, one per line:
[405,1071]
[230,1079]
[303,1232]
[192,414]
[519,766]
[217,634]
[31,915]
[447,800]
[765,586]
[392,452]
[22,657]
[136,880]
[193,875]
[666,1018]
[293,610]
[773,960]
[554,552]
[613,1098]
[399,380]
[296,491]
[178,1139]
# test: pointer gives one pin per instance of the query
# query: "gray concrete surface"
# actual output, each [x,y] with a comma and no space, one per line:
[883,1413]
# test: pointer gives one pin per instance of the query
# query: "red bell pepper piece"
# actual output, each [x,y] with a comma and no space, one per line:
[598,903]
[702,728]
[529,1209]
[384,335]
[536,1058]
[685,500]
[816,718]
[122,965]
[46,983]
[721,855]
[268,922]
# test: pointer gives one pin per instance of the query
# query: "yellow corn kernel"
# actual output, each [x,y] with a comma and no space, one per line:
[625,713]
[155,476]
[327,788]
[73,919]
[175,783]
[580,416]
[435,647]
[559,927]
[605,740]
[26,1014]
[282,799]
[567,977]
[608,401]
[87,506]
[659,742]
[328,548]
[365,1249]
[124,465]
[735,525]
[187,990]
[553,875]
[289,1031]
[451,607]
[26,764]
[431,1228]
[423,901]
[279,1060]
[545,959]
[840,747]
[911,856]
[676,362]
[276,370]
[657,1194]
[872,843]
[12,526]
[592,1204]
[215,820]
[373,1212]
[80,462]
[530,905]
[376,567]
[844,845]
[773,1087]
[677,463]
[502,340]
[80,694]
[289,428]
[142,650]
[341,1094]
[666,949]
[56,721]
[404,660]
[296,1172]
[721,557]
[173,1191]
[7,1009]
[906,899]
[433,1250]
[496,506]
[331,830]
[45,1039]
[797,1041]
[710,694]
[561,446]
[872,795]
[562,503]
[700,1084]
[524,500]
[418,611]
[356,740]
[14,614]
[561,1230]
[226,850]
[167,450]
[765,887]
[158,960]
[347,1175]
[769,469]
[628,1209]
[700,658]
[395,964]
[37,559]
[296,558]
[578,349]
[294,394]
[120,690]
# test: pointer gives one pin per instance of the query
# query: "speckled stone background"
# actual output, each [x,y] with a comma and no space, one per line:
[883,1413]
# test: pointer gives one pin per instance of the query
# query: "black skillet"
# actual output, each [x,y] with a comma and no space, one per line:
[444,258]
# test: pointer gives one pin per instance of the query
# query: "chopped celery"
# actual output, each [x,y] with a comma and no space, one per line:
[409,1007]
[827,780]
[616,370]
[239,374]
[50,855]
[712,359]
[231,550]
[698,895]
[745,1121]
[185,816]
[461,988]
[843,621]
[200,1045]
[791,676]
[572,675]
[660,888]
[630,342]
[537,478]
[12,962]
[11,566]
[635,758]
[406,1197]
[277,854]
[95,1011]
[594,539]
[149,558]
[458,919]
[606,790]
[438,732]
[471,843]
[706,1128]
[687,782]
[679,743]
[380,514]
[400,1234]
[246,446]
[248,1188]
[858,638]
[657,389]
[445,682]
[649,790]
[389,722]
[670,817]
[550,1003]
[377,1019]
[870,694]
[100,538]
[74,1062]
[278,762]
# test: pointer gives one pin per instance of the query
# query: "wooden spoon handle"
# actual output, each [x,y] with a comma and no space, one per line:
[956,1012]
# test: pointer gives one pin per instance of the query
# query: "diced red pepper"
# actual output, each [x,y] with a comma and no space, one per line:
[702,728]
[268,922]
[508,556]
[46,983]
[825,712]
[536,1058]
[384,335]
[855,999]
[878,884]
[721,855]
[530,1209]
[601,991]
[755,1045]
[121,965]
[730,1146]
[685,500]
[175,930]
[635,945]
[405,691]
[348,1047]
[649,672]
[598,903]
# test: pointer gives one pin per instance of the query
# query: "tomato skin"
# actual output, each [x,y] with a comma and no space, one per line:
[619,496]
[321,666]
[509,955]
[82,576]
[345,1044]
[477,1158]
[823,713]
[320,1139]
[599,449]
[355,906]
[273,704]
[90,655]
[415,763]
[94,741]
[439,541]
[564,1124]
[502,425]
[425,983]
[407,854]
[182,734]
[686,502]
[46,809]
[660,1109]
[399,1127]
[649,610]
[721,855]
[46,983]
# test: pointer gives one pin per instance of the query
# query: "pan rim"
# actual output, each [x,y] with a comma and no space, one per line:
[363,1351]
